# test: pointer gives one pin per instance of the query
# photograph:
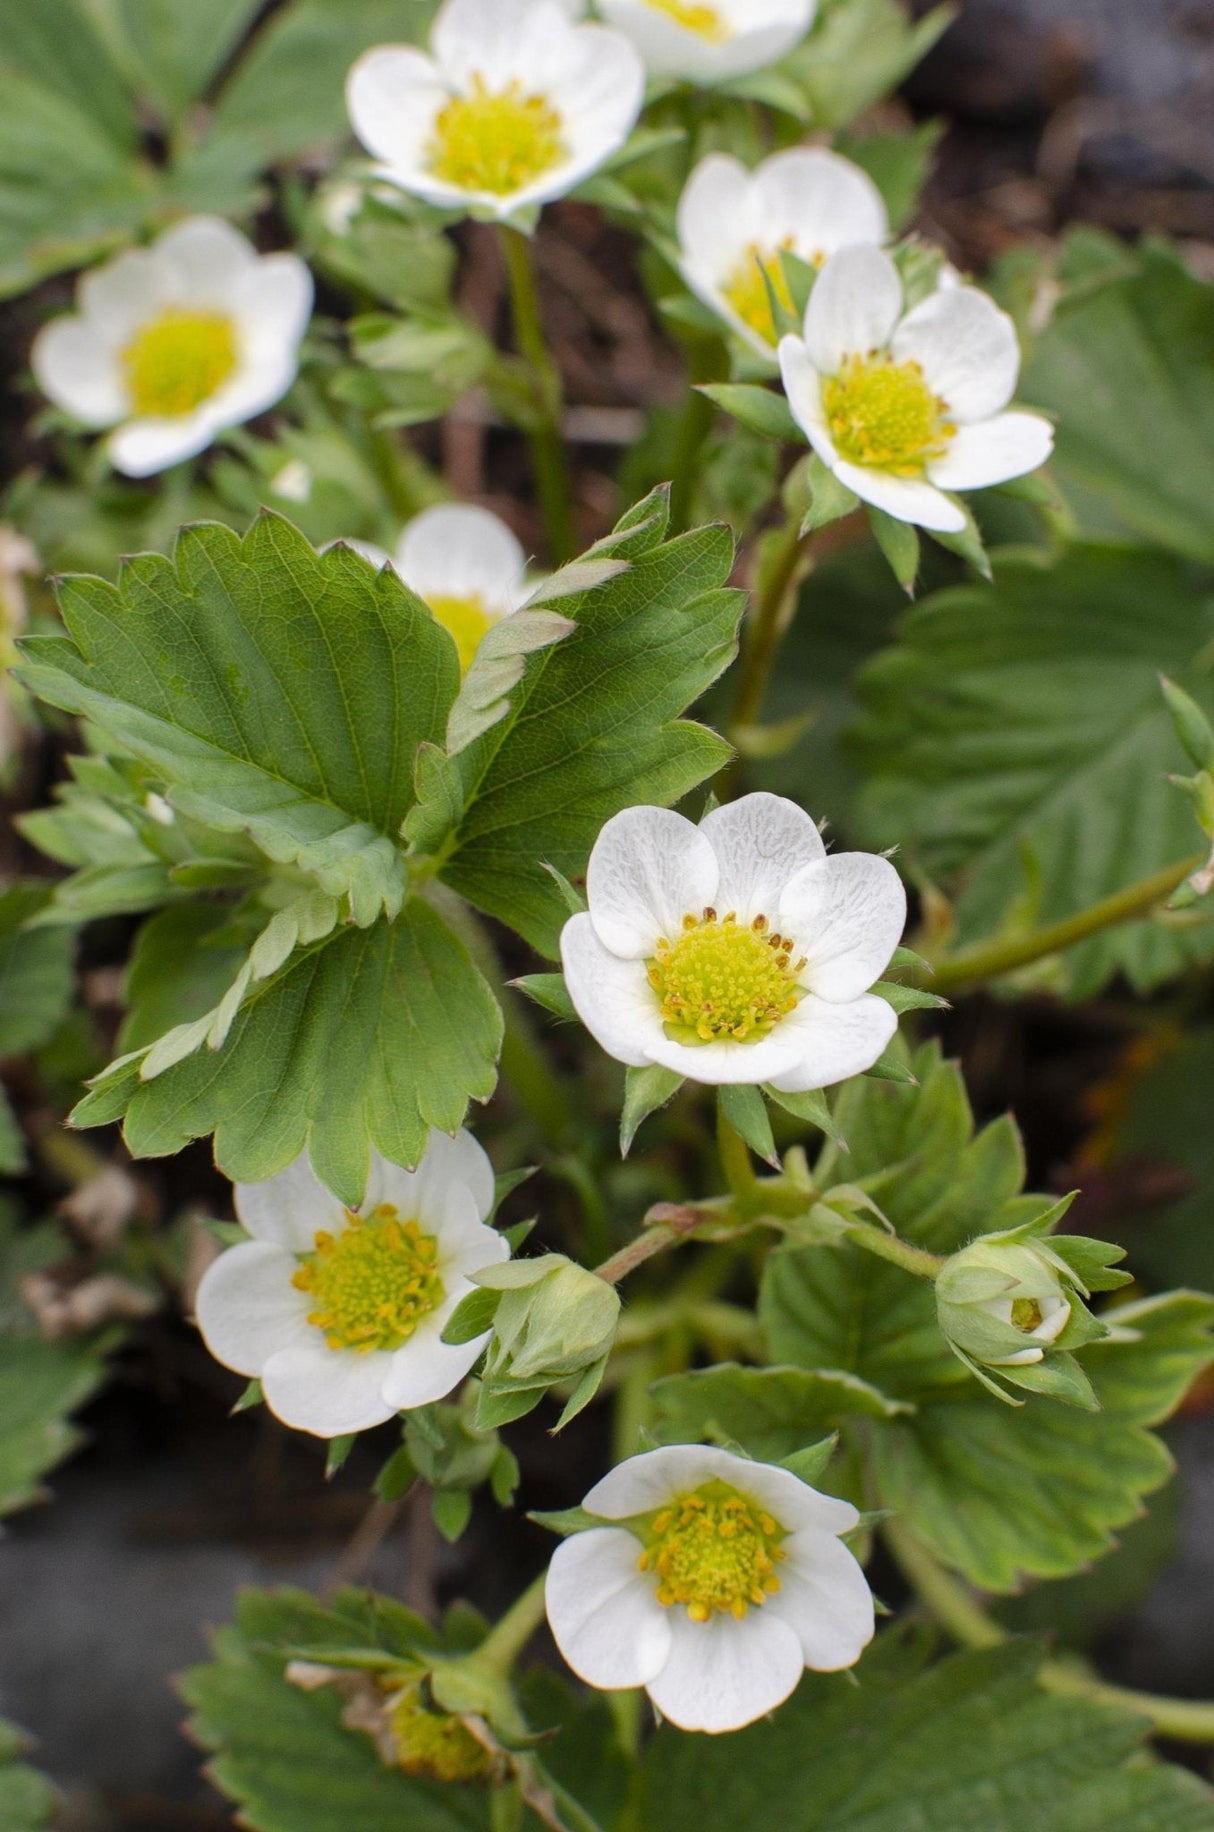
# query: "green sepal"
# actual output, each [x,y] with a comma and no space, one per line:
[337,1453]
[1192,727]
[908,998]
[813,1108]
[967,542]
[566,1521]
[829,500]
[645,1090]
[742,1107]
[549,991]
[809,1464]
[452,1510]
[472,1316]
[761,409]
[899,542]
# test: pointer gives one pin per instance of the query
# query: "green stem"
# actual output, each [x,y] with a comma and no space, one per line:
[506,1641]
[736,1164]
[547,448]
[924,1265]
[988,960]
[770,619]
[675,1226]
[957,1611]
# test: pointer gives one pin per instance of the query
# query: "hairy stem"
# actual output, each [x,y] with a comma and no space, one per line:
[957,1611]
[924,1265]
[547,449]
[988,960]
[668,1225]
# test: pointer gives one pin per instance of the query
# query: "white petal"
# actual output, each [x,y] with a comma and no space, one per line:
[796,1505]
[803,386]
[847,915]
[907,499]
[141,448]
[290,1209]
[447,1162]
[248,1309]
[820,199]
[853,308]
[79,372]
[643,1483]
[394,94]
[613,998]
[426,1369]
[603,1613]
[208,258]
[599,85]
[457,550]
[716,221]
[835,1042]
[473,38]
[825,1599]
[272,303]
[723,1674]
[649,868]
[991,451]
[763,30]
[328,1392]
[966,348]
[121,296]
[729,1064]
[760,842]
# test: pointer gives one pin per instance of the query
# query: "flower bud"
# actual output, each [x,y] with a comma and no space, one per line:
[554,1319]
[1005,1304]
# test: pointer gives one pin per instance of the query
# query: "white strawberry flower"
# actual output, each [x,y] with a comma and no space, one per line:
[171,344]
[515,104]
[466,564]
[340,1313]
[716,1584]
[710,41]
[735,224]
[906,405]
[738,951]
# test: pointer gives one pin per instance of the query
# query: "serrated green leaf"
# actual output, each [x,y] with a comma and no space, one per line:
[772,1413]
[1144,331]
[1026,722]
[37,971]
[369,1039]
[171,49]
[1040,1492]
[281,692]
[971,1743]
[595,725]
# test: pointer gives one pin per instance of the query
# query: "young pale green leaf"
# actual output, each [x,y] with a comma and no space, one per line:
[970,1743]
[772,1413]
[1026,723]
[1142,331]
[280,692]
[37,970]
[1001,1494]
[369,1039]
[595,723]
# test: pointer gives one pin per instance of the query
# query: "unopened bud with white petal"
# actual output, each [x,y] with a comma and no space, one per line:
[554,1322]
[1004,1304]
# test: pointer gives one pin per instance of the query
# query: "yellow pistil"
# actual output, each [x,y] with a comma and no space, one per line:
[178,361]
[724,979]
[695,16]
[713,1551]
[883,414]
[1026,1314]
[496,141]
[432,1745]
[467,620]
[373,1283]
[746,289]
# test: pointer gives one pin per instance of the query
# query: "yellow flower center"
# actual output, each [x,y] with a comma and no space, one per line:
[747,292]
[373,1283]
[695,16]
[713,1551]
[1026,1314]
[179,361]
[433,1746]
[467,620]
[722,978]
[883,414]
[496,142]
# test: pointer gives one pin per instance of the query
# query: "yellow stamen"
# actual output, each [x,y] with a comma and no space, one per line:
[496,141]
[724,979]
[467,620]
[713,1551]
[746,289]
[1026,1314]
[373,1283]
[883,414]
[178,361]
[696,16]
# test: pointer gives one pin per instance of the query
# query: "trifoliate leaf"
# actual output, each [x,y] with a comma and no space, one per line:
[772,1413]
[27,1801]
[1143,331]
[280,692]
[595,723]
[369,1039]
[37,971]
[1021,730]
[970,1743]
